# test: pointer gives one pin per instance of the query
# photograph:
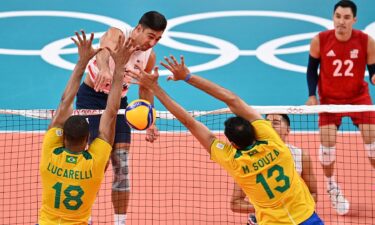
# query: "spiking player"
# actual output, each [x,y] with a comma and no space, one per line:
[71,175]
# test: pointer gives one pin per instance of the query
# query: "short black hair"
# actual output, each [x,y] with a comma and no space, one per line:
[76,129]
[346,4]
[239,131]
[284,116]
[153,20]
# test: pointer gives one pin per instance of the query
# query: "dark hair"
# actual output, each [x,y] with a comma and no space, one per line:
[153,20]
[239,131]
[76,129]
[346,4]
[284,116]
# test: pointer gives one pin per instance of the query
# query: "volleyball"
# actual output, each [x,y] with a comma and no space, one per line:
[140,114]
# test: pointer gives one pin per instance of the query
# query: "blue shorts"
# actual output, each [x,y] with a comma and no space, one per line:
[88,98]
[313,220]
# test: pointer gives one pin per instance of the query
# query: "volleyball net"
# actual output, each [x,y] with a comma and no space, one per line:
[173,180]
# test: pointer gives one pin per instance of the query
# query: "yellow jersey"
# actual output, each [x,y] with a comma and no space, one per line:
[265,171]
[70,180]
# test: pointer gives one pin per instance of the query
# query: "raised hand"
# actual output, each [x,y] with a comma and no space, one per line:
[103,81]
[144,79]
[179,70]
[123,51]
[85,49]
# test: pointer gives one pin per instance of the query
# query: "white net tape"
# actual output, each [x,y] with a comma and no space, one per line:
[303,109]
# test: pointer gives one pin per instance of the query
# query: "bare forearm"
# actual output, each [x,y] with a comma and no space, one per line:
[73,84]
[115,93]
[235,103]
[146,94]
[102,60]
[242,206]
[212,89]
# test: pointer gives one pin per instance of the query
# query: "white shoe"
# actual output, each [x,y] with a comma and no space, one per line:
[338,200]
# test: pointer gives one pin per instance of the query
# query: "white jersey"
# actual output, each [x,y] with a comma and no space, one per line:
[139,56]
[297,156]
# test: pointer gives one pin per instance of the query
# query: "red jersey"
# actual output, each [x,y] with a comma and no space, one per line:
[342,68]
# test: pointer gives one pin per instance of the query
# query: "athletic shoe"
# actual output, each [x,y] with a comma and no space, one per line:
[338,200]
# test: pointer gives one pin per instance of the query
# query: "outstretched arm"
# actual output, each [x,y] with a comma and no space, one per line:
[144,93]
[85,52]
[308,175]
[120,55]
[235,103]
[198,130]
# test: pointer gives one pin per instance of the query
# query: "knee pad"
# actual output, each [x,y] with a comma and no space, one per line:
[120,165]
[327,155]
[370,148]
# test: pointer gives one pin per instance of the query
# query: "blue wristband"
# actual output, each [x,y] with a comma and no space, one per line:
[187,78]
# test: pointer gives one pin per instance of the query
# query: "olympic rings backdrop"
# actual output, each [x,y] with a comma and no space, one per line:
[258,49]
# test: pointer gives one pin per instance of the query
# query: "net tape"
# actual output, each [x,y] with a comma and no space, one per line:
[303,109]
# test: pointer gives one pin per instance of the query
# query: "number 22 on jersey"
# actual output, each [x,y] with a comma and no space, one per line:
[347,65]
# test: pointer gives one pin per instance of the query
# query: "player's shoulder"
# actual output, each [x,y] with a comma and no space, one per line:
[100,145]
[53,132]
[326,34]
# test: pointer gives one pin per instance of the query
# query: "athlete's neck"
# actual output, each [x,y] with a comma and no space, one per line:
[343,36]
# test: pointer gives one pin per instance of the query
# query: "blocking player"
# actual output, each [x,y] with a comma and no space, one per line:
[71,175]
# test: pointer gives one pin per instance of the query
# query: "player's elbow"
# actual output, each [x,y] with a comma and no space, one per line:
[234,205]
[110,38]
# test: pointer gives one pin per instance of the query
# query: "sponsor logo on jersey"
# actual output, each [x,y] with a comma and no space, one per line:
[354,54]
[331,53]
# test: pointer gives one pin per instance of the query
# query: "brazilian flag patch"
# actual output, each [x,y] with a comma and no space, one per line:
[71,159]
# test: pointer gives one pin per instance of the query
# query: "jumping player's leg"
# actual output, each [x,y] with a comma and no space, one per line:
[120,165]
[88,98]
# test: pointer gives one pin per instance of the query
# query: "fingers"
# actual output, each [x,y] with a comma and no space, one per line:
[75,41]
[166,66]
[78,37]
[133,74]
[91,38]
[169,62]
[156,71]
[98,83]
[182,61]
[174,60]
[83,35]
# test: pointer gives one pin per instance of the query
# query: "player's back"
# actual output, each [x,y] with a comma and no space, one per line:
[70,180]
[343,65]
[265,171]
